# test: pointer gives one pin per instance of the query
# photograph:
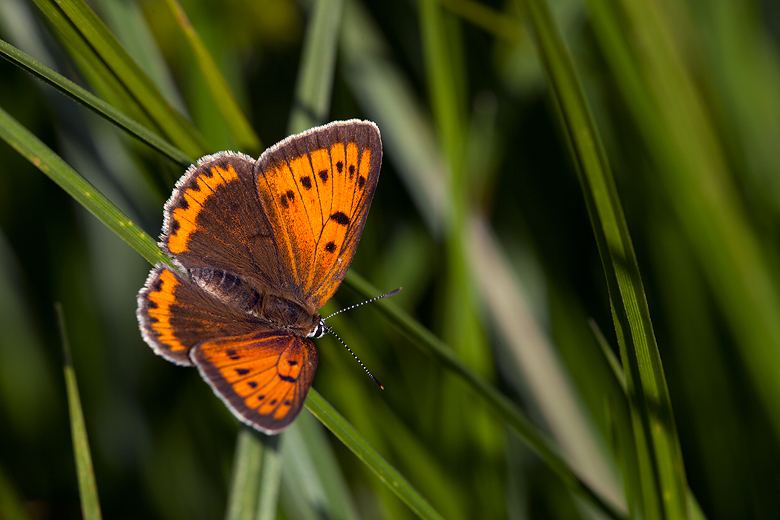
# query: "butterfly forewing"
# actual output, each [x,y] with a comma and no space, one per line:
[263,378]
[317,188]
[214,220]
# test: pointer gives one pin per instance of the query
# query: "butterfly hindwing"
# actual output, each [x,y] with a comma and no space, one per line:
[263,377]
[316,188]
[174,315]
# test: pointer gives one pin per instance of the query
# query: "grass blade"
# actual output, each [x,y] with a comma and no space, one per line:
[242,492]
[270,478]
[501,405]
[90,504]
[352,440]
[77,187]
[92,102]
[232,114]
[652,414]
[315,76]
[135,80]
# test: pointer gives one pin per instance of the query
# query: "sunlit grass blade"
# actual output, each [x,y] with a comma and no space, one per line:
[92,102]
[672,115]
[182,133]
[311,103]
[90,504]
[501,405]
[231,113]
[77,187]
[373,460]
[244,483]
[657,444]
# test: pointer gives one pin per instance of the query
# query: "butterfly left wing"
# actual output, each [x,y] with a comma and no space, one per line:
[262,377]
[316,189]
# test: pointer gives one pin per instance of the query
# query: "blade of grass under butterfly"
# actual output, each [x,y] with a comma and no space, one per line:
[90,505]
[92,102]
[244,483]
[77,187]
[223,98]
[314,84]
[182,133]
[12,505]
[655,432]
[358,445]
[501,405]
[270,478]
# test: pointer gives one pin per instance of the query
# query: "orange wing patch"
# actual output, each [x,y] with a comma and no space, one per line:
[263,377]
[185,217]
[317,200]
[162,297]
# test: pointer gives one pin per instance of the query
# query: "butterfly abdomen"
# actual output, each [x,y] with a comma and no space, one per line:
[226,287]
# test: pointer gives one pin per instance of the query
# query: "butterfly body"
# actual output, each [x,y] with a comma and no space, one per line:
[260,247]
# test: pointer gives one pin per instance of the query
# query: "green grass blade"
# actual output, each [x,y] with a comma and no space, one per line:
[655,430]
[244,483]
[693,170]
[270,478]
[77,187]
[501,405]
[231,113]
[358,445]
[92,102]
[311,103]
[135,80]
[90,504]
[91,66]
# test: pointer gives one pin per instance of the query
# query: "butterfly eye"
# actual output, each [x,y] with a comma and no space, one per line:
[319,331]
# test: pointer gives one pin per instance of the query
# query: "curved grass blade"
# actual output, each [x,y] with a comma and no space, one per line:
[358,445]
[234,118]
[92,102]
[501,405]
[90,505]
[665,96]
[182,133]
[77,187]
[655,432]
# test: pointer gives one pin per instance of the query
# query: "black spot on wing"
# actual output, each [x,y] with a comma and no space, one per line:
[340,218]
[306,182]
[330,247]
[323,175]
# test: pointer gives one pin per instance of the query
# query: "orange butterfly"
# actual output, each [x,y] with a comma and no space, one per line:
[264,244]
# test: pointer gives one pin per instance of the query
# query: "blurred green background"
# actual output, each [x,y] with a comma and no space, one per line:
[479,215]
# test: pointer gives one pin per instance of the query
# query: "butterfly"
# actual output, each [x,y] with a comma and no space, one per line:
[260,246]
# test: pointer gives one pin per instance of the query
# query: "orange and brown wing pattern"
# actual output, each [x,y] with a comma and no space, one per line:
[174,315]
[263,377]
[316,188]
[215,220]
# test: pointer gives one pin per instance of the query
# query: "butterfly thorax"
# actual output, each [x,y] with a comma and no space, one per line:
[281,312]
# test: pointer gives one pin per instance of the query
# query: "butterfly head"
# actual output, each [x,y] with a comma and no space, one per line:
[320,330]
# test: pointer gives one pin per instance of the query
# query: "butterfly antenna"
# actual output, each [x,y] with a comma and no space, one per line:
[355,356]
[391,293]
